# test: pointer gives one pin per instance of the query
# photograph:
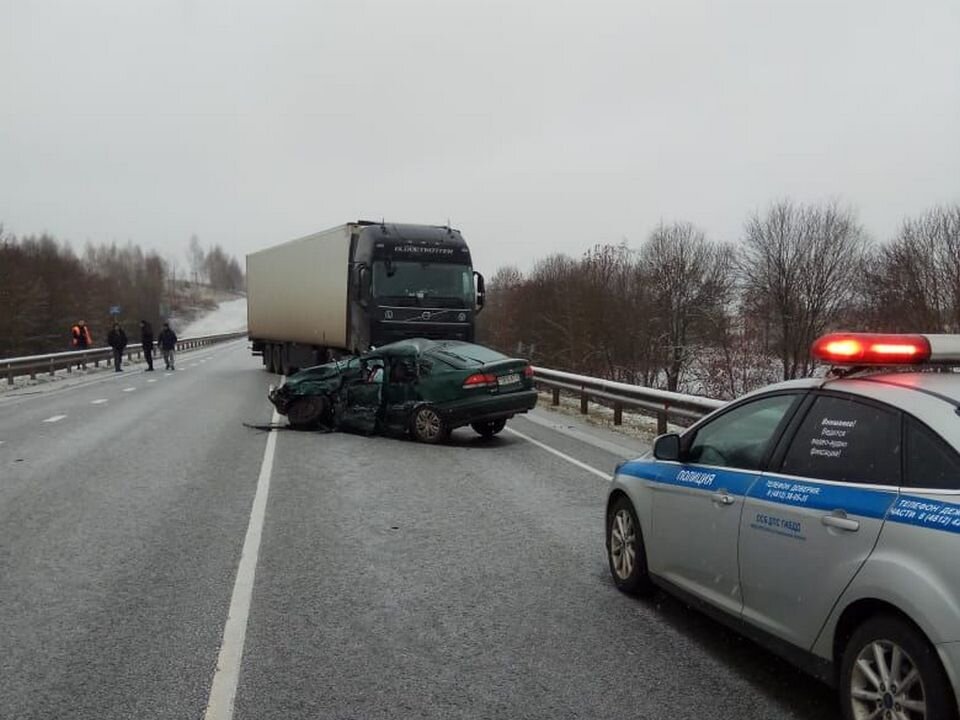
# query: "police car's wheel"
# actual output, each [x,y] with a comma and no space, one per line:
[625,549]
[306,412]
[890,670]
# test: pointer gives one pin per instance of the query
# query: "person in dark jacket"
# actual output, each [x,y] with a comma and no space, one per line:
[146,342]
[167,340]
[117,339]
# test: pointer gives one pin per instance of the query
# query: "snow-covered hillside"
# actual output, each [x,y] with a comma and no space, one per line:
[230,316]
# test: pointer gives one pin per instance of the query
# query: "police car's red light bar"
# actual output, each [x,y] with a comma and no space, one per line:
[872,349]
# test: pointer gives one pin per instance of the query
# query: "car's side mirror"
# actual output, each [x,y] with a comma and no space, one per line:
[667,447]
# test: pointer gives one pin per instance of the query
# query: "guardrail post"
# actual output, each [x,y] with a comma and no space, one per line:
[556,396]
[662,421]
[9,375]
[584,407]
[617,414]
[52,368]
[129,357]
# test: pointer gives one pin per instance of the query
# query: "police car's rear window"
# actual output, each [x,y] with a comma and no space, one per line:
[848,441]
[931,463]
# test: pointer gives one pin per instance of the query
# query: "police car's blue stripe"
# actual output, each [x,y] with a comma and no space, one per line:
[874,503]
[863,502]
[689,476]
[926,513]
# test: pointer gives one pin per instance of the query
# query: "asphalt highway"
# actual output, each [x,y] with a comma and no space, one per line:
[146,533]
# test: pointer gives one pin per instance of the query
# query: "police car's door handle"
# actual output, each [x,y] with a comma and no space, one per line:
[723,497]
[839,520]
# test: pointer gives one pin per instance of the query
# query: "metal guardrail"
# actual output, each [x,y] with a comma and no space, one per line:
[663,404]
[33,364]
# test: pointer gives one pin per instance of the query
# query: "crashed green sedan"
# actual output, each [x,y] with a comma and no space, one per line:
[423,387]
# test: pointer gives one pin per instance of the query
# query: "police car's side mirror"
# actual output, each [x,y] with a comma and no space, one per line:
[667,447]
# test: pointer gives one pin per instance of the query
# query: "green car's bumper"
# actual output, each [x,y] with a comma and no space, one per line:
[488,407]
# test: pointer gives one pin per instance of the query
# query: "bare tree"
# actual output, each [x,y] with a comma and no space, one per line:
[690,280]
[801,266]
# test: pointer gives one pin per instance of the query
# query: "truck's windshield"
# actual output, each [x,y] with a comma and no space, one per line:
[423,280]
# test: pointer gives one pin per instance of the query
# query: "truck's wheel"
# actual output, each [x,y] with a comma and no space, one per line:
[889,669]
[277,367]
[427,426]
[268,358]
[306,412]
[489,428]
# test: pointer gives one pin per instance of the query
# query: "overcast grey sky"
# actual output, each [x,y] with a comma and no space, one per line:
[534,127]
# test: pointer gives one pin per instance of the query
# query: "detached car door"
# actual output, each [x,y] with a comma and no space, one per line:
[808,528]
[697,502]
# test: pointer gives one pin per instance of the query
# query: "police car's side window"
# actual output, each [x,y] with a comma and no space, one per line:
[848,441]
[931,463]
[739,438]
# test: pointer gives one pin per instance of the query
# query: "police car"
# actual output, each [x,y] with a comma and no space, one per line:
[822,518]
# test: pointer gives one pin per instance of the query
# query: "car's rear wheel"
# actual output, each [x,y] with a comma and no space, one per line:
[427,426]
[890,670]
[306,412]
[489,428]
[625,549]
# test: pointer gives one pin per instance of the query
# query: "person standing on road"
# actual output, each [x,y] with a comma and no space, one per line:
[81,339]
[167,340]
[146,342]
[117,339]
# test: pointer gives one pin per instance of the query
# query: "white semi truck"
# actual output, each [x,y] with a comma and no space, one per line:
[356,286]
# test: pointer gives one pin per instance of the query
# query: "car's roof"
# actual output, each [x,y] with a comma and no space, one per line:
[416,346]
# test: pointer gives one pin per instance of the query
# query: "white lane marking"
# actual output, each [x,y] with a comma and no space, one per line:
[563,456]
[223,690]
[55,418]
[152,380]
[167,374]
[101,401]
[129,389]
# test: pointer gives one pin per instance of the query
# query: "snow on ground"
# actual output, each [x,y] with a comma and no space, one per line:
[230,316]
[642,427]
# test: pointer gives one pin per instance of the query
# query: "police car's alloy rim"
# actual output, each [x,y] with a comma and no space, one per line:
[428,424]
[886,683]
[623,543]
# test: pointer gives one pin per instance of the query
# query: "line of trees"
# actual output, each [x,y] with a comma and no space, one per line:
[45,288]
[688,313]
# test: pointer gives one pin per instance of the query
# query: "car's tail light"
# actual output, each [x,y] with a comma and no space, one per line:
[480,380]
[528,371]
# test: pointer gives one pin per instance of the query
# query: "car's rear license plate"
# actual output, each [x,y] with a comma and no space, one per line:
[511,379]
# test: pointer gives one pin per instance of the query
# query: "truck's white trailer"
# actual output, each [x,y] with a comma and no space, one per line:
[298,291]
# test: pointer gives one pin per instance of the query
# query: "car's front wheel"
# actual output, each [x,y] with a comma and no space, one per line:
[890,670]
[489,428]
[427,426]
[306,412]
[625,549]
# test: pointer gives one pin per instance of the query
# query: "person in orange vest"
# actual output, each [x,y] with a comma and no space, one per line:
[80,338]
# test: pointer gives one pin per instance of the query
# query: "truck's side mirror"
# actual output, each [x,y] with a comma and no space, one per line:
[481,290]
[363,284]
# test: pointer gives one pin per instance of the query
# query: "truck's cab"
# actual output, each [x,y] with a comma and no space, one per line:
[411,281]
